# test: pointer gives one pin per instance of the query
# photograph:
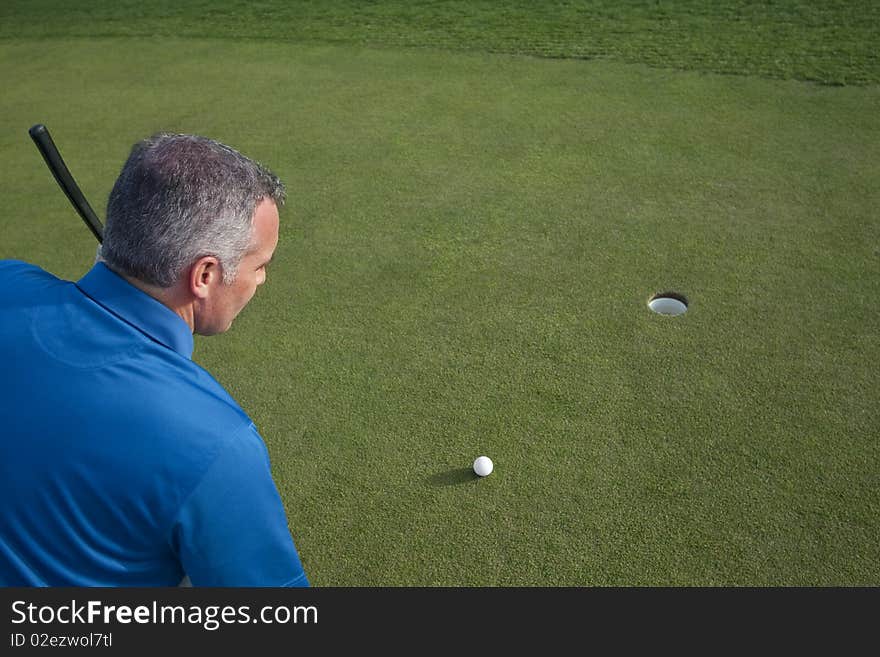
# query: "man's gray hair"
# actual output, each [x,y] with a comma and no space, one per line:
[179,198]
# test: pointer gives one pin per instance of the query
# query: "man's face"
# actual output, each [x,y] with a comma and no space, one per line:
[226,301]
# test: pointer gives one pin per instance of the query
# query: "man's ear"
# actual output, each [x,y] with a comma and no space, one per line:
[204,275]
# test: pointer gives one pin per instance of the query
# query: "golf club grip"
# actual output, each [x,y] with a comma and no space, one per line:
[40,134]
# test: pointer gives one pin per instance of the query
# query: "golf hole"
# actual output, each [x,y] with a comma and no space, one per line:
[668,303]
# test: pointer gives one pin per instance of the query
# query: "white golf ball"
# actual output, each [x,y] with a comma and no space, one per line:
[483,465]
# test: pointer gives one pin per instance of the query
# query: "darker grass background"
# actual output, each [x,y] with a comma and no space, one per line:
[464,264]
[832,41]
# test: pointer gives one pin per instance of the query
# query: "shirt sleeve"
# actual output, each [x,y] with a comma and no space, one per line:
[232,530]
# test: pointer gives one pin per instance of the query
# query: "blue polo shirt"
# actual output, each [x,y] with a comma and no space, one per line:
[122,462]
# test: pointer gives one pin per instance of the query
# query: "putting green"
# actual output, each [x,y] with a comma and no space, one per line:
[465,263]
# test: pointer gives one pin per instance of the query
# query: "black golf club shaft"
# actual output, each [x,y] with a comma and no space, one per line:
[40,134]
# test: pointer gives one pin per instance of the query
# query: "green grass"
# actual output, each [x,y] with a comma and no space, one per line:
[466,255]
[832,41]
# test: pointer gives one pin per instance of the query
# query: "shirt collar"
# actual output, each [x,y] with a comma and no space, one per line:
[137,308]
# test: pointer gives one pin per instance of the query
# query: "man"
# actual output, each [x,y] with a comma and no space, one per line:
[123,463]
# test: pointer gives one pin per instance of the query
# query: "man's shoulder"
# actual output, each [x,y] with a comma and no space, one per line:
[185,383]
[21,271]
[22,282]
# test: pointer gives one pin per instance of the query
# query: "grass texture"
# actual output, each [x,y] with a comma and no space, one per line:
[832,41]
[465,260]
